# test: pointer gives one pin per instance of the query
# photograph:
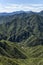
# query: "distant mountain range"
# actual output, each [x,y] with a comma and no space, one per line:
[12,13]
[18,12]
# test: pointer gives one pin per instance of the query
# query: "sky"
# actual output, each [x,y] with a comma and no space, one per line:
[24,5]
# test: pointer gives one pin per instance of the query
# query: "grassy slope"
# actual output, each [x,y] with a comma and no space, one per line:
[34,55]
[21,27]
[28,25]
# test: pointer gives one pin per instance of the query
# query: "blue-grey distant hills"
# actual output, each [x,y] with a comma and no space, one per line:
[18,12]
[12,13]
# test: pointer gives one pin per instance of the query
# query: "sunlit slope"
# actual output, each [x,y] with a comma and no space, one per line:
[21,40]
[10,50]
[22,55]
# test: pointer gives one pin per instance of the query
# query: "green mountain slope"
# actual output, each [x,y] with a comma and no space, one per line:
[21,39]
[33,55]
[10,50]
[22,27]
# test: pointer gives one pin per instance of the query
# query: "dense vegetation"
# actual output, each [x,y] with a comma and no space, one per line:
[21,39]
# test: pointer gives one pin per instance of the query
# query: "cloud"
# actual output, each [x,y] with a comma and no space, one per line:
[18,7]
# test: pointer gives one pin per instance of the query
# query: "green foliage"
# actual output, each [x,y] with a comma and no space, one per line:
[10,50]
[21,39]
[21,27]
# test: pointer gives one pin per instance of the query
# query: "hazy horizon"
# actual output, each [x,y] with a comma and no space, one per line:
[21,5]
[20,11]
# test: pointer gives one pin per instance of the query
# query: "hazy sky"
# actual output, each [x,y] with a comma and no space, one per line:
[17,5]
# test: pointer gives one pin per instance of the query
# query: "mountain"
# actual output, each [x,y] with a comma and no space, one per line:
[21,38]
[7,17]
[41,13]
[12,13]
[20,12]
[21,27]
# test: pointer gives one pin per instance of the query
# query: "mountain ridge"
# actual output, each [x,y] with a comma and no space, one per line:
[21,39]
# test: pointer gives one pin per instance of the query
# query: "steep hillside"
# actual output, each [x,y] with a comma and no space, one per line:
[21,39]
[17,54]
[10,50]
[22,27]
